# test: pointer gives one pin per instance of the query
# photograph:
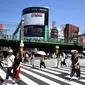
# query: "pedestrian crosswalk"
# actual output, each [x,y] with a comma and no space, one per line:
[46,76]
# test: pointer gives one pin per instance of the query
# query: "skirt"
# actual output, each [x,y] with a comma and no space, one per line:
[16,73]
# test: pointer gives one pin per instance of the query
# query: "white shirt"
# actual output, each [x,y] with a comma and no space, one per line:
[64,55]
[10,60]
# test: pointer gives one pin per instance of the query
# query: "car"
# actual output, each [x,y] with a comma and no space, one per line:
[81,55]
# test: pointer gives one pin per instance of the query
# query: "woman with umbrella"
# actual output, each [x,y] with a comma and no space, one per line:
[42,59]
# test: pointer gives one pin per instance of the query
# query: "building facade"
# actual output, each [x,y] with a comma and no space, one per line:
[54,33]
[71,32]
[61,34]
[35,21]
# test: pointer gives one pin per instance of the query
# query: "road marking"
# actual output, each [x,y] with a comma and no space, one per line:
[27,80]
[50,82]
[53,76]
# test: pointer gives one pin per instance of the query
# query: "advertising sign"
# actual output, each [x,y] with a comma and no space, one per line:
[0,26]
[75,29]
[34,19]
[34,31]
[84,41]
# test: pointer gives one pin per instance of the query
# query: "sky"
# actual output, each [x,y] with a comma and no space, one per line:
[61,11]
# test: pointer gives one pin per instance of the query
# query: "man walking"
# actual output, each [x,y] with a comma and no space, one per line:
[10,61]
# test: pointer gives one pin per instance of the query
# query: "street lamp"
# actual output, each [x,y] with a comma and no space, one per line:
[22,28]
[22,34]
[57,50]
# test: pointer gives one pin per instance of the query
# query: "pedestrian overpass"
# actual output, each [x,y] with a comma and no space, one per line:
[50,44]
[44,45]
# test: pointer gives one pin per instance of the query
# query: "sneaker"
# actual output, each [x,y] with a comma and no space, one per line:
[13,83]
[45,67]
[4,83]
[70,79]
[20,81]
[79,78]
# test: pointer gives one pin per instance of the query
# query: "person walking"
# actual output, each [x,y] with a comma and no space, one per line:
[42,61]
[75,65]
[16,68]
[32,60]
[10,61]
[26,58]
[63,60]
[1,59]
[59,57]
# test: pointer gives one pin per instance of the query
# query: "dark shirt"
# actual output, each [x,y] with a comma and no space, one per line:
[17,62]
[74,60]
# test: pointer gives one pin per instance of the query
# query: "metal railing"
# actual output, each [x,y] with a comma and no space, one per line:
[41,40]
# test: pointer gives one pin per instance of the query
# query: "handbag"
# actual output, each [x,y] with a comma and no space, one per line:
[77,67]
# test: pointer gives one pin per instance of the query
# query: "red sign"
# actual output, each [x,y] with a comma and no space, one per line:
[36,15]
[75,28]
[0,26]
[80,39]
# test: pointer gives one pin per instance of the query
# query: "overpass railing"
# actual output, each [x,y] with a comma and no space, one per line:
[40,40]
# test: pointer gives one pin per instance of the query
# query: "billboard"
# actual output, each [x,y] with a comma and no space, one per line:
[84,41]
[0,26]
[34,19]
[33,31]
[75,28]
[81,39]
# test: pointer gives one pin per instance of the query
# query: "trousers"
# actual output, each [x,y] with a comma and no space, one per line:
[8,72]
[77,71]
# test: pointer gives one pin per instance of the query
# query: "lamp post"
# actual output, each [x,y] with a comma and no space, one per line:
[22,28]
[57,50]
[21,48]
[22,34]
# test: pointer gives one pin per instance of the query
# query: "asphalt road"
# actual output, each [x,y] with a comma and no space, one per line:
[47,76]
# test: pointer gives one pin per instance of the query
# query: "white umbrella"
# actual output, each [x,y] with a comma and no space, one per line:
[73,51]
[41,53]
[83,51]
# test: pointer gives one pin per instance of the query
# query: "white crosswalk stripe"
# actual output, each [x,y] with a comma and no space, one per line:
[47,76]
[3,75]
[40,77]
[68,71]
[26,80]
[83,80]
[56,77]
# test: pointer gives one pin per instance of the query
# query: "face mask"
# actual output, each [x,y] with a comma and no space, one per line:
[10,53]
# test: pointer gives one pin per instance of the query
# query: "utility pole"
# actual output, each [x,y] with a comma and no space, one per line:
[22,29]
[22,37]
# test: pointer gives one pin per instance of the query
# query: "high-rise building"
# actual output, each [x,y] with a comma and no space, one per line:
[70,32]
[60,34]
[36,22]
[54,31]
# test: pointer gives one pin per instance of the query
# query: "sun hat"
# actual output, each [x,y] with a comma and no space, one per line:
[10,51]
